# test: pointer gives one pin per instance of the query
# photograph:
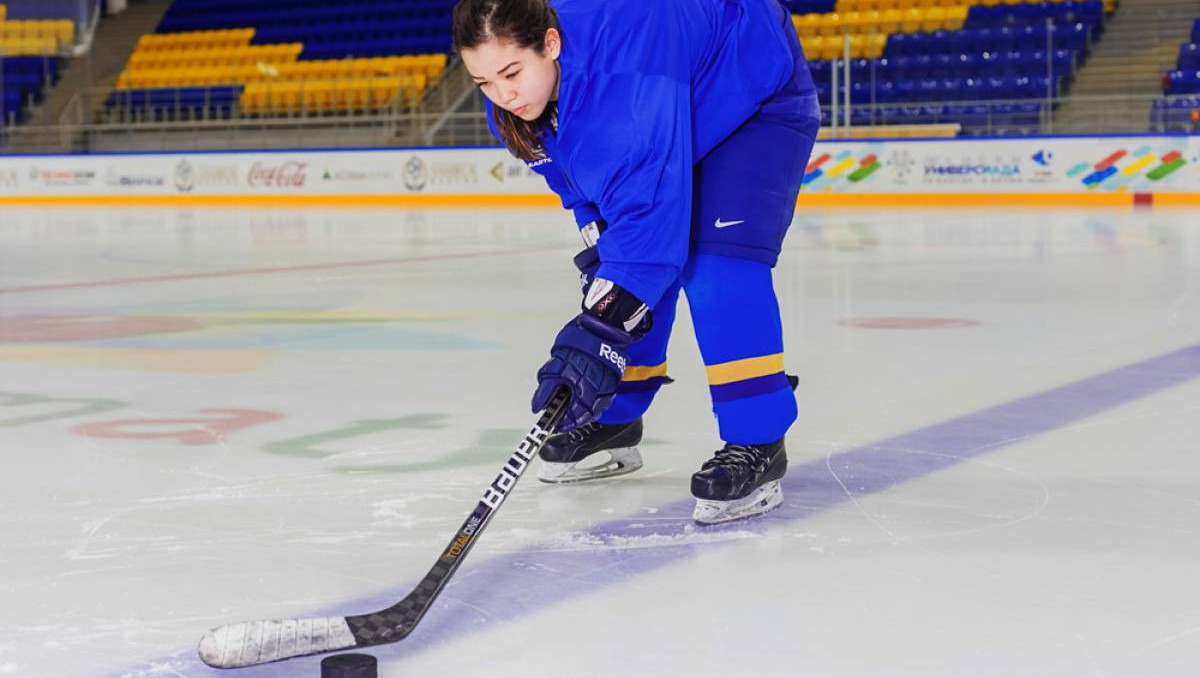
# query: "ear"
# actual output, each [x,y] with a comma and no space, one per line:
[553,43]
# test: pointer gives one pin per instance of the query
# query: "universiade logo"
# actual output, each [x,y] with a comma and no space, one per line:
[1002,170]
[289,174]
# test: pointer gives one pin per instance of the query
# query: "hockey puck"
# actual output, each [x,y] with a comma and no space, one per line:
[351,665]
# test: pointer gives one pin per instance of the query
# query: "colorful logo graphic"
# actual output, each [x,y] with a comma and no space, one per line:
[1143,163]
[826,168]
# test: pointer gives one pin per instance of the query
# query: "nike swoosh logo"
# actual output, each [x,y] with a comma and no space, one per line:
[723,224]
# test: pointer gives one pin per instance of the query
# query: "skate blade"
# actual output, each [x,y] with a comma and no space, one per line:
[621,461]
[763,499]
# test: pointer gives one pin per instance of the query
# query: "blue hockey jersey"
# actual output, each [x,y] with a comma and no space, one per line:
[648,87]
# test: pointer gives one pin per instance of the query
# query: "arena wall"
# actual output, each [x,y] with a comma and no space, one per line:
[1106,170]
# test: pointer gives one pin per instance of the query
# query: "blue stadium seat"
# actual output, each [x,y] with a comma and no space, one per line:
[1189,56]
[189,102]
[951,89]
[1175,114]
[25,80]
[885,92]
[974,89]
[810,6]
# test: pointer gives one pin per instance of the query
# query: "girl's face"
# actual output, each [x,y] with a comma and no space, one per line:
[517,79]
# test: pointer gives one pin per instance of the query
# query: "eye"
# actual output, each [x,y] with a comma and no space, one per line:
[510,76]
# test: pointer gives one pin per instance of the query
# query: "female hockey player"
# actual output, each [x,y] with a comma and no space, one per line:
[678,132]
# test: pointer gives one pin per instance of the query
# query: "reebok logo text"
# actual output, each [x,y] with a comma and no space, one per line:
[613,357]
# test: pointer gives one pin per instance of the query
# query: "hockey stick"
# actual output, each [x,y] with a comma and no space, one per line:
[260,642]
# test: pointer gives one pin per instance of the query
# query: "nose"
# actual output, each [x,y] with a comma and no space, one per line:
[507,93]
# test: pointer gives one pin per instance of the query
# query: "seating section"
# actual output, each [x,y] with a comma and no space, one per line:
[329,30]
[29,50]
[913,65]
[1179,109]
[823,35]
[827,6]
[25,79]
[1185,77]
[215,58]
[34,37]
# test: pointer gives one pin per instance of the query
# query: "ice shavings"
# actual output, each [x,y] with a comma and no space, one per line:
[586,541]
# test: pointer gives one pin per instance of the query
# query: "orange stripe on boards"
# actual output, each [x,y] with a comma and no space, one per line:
[293,200]
[872,200]
[961,200]
[1176,199]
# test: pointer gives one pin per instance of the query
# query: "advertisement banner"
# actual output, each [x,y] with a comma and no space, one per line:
[1034,165]
[368,172]
[1066,165]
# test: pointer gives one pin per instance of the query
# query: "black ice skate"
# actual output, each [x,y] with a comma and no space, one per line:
[563,457]
[739,481]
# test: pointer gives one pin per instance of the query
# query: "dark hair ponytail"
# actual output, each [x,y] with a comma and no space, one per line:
[524,23]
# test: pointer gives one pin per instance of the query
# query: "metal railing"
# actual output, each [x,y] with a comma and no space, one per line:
[464,124]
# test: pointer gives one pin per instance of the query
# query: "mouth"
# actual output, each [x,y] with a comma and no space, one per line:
[520,110]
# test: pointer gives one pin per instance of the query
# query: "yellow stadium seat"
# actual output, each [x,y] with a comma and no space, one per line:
[32,46]
[358,94]
[890,21]
[858,43]
[871,21]
[434,65]
[286,97]
[811,46]
[383,91]
[933,18]
[3,12]
[63,30]
[315,96]
[333,68]
[912,20]
[831,24]
[852,22]
[875,45]
[831,48]
[337,95]
[905,5]
[956,17]
[251,99]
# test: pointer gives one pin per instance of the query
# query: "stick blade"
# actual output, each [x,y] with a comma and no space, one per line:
[260,642]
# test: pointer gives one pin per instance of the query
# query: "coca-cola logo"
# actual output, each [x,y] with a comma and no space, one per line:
[289,174]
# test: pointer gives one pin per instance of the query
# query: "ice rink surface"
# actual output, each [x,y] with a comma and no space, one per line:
[216,415]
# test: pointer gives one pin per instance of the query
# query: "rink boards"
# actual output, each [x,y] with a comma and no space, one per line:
[1114,170]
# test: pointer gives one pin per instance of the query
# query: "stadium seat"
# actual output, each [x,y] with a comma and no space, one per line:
[1189,56]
